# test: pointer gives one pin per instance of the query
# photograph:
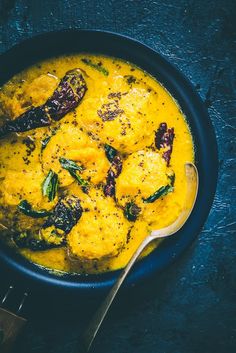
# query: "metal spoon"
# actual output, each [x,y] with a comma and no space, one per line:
[192,188]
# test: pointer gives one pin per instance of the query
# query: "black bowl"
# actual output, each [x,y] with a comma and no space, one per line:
[56,43]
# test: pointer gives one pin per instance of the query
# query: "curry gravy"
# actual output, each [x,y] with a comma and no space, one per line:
[123,107]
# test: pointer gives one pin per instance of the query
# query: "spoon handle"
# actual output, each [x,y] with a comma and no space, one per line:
[100,314]
[192,189]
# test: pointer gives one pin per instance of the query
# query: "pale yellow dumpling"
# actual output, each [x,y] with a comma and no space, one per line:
[102,230]
[72,143]
[143,173]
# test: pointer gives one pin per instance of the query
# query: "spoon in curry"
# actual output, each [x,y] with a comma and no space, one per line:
[192,189]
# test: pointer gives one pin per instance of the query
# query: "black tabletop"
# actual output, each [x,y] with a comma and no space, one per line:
[191,307]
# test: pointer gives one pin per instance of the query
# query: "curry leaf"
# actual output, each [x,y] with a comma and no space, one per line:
[26,208]
[33,241]
[69,165]
[44,142]
[171,177]
[50,185]
[72,168]
[111,152]
[98,67]
[80,180]
[164,190]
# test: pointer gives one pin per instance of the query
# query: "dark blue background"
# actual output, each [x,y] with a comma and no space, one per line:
[191,308]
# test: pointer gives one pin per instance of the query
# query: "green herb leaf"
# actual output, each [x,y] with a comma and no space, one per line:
[131,211]
[44,142]
[72,168]
[164,190]
[50,185]
[98,67]
[26,208]
[33,241]
[111,152]
[69,165]
[80,180]
[171,177]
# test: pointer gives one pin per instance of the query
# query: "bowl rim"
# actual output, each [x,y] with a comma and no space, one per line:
[206,153]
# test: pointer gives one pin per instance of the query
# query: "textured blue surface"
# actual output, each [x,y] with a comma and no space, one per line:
[191,307]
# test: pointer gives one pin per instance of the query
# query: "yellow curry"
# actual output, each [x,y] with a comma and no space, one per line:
[92,154]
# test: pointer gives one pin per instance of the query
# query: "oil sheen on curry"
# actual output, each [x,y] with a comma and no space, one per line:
[92,154]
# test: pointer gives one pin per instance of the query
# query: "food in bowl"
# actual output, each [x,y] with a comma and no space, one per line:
[92,154]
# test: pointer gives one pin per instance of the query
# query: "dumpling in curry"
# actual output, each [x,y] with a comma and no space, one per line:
[92,154]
